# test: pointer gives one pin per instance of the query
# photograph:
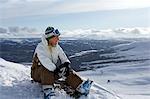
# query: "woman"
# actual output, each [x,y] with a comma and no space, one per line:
[50,63]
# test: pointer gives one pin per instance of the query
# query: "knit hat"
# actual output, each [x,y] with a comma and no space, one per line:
[50,32]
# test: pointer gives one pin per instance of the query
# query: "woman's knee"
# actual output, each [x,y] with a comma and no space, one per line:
[73,80]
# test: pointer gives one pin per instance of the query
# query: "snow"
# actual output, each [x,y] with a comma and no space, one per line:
[15,83]
[82,53]
[10,73]
[129,80]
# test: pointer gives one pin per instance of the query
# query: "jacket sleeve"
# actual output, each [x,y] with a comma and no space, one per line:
[44,59]
[62,55]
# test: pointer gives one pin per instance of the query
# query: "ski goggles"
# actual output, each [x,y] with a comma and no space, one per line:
[52,33]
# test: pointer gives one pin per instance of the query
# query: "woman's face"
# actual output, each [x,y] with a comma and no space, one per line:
[53,41]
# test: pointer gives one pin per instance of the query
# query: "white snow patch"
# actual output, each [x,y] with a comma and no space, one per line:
[82,53]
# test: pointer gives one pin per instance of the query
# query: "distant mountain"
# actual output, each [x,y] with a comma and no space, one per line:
[78,51]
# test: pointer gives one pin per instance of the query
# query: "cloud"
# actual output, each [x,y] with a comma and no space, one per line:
[137,32]
[19,8]
[26,32]
[22,30]
[19,32]
[13,29]
[3,1]
[3,30]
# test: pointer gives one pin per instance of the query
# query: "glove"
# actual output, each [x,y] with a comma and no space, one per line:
[63,70]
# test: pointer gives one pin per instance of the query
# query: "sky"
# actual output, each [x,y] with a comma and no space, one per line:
[75,14]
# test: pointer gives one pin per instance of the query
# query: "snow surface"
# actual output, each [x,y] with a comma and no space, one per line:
[82,53]
[15,83]
[130,80]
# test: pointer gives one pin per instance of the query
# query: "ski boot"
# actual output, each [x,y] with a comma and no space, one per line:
[83,89]
[49,93]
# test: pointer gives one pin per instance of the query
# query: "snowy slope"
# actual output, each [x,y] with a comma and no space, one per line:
[15,84]
[15,81]
[129,76]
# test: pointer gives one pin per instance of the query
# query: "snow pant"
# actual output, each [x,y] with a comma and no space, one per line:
[42,75]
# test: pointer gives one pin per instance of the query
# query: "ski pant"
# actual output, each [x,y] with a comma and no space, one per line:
[42,75]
